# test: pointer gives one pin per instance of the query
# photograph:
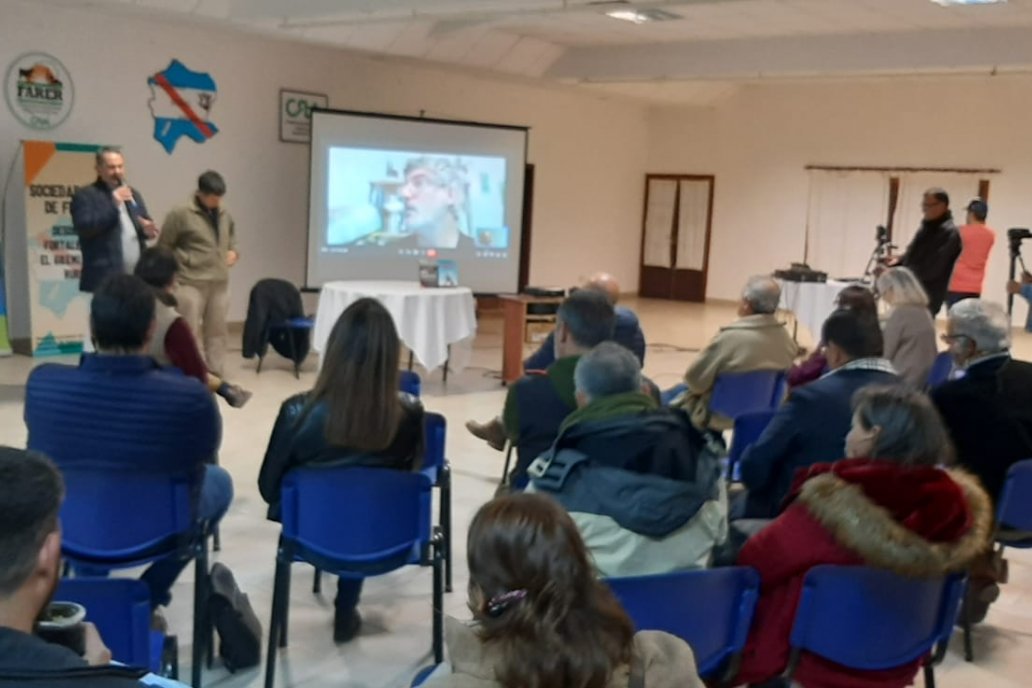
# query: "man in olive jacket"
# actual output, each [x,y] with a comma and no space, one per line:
[202,234]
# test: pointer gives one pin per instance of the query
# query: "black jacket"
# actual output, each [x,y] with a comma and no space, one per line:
[30,662]
[95,220]
[931,255]
[988,413]
[299,439]
[273,301]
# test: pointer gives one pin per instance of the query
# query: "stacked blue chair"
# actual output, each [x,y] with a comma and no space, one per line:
[748,428]
[735,394]
[710,609]
[358,522]
[115,519]
[1013,524]
[437,468]
[410,382]
[120,609]
[869,619]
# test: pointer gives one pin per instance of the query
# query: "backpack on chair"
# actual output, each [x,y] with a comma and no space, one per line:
[240,632]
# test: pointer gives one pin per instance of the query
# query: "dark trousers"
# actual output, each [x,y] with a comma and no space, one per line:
[348,592]
[953,297]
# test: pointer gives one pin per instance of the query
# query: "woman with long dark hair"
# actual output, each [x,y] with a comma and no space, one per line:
[354,416]
[541,619]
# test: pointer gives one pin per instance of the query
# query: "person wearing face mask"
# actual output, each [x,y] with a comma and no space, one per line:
[887,505]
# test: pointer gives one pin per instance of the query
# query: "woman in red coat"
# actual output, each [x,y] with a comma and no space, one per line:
[897,511]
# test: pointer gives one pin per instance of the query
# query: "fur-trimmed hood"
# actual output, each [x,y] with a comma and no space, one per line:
[908,520]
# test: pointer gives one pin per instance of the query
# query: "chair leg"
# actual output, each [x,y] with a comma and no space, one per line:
[965,622]
[201,621]
[259,368]
[446,524]
[216,541]
[279,610]
[317,581]
[446,362]
[929,675]
[410,359]
[438,602]
[293,353]
[285,603]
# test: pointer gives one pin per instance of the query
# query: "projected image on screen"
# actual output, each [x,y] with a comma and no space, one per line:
[412,202]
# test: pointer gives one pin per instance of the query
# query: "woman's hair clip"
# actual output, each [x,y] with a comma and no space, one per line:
[497,605]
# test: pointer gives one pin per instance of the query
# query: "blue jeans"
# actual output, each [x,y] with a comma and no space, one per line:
[215,498]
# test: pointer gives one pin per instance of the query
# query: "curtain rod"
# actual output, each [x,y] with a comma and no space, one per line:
[960,170]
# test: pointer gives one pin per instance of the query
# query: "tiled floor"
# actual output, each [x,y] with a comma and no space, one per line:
[395,638]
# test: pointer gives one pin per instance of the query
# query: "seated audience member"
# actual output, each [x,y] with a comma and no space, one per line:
[541,618]
[887,506]
[756,341]
[812,424]
[640,481]
[354,416]
[118,408]
[909,331]
[988,411]
[855,297]
[31,490]
[535,405]
[173,344]
[627,330]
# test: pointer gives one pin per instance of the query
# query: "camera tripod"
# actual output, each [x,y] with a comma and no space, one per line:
[1015,260]
[878,255]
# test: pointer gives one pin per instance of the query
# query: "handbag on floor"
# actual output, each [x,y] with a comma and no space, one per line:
[240,632]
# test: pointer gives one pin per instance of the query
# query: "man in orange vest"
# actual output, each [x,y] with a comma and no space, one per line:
[977,241]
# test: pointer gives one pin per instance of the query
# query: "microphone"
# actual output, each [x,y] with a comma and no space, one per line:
[131,203]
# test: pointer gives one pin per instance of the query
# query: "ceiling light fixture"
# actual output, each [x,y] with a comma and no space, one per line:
[642,16]
[954,3]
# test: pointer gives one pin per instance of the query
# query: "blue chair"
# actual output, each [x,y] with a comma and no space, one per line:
[120,609]
[115,519]
[870,619]
[941,369]
[735,394]
[289,330]
[410,382]
[1013,525]
[438,470]
[748,428]
[354,521]
[711,610]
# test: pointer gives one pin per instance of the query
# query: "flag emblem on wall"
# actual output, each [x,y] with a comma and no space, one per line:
[181,105]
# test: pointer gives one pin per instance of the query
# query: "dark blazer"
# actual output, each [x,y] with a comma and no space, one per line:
[299,439]
[988,413]
[931,255]
[811,427]
[627,332]
[125,412]
[95,220]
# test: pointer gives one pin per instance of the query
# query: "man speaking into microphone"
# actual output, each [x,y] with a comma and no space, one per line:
[112,223]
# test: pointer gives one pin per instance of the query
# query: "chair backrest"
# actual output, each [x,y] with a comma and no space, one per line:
[120,609]
[941,369]
[435,430]
[123,516]
[738,393]
[711,609]
[871,619]
[410,383]
[748,428]
[1015,508]
[368,519]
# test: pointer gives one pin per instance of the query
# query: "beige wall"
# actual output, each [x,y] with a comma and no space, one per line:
[758,142]
[590,153]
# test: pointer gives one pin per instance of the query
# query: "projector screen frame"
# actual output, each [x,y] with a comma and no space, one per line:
[528,193]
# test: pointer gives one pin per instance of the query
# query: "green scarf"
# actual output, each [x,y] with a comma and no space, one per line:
[626,404]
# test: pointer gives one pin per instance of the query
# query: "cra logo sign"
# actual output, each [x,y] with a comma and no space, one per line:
[296,114]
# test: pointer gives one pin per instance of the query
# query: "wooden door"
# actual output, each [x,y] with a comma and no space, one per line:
[675,237]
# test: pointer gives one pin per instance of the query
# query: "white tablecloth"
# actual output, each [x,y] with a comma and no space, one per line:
[428,319]
[811,302]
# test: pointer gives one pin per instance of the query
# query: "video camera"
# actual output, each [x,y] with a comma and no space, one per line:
[1015,235]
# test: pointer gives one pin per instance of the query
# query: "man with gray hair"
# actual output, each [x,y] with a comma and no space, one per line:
[641,483]
[989,410]
[988,413]
[756,341]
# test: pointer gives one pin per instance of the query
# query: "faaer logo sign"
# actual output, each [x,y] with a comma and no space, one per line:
[39,90]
